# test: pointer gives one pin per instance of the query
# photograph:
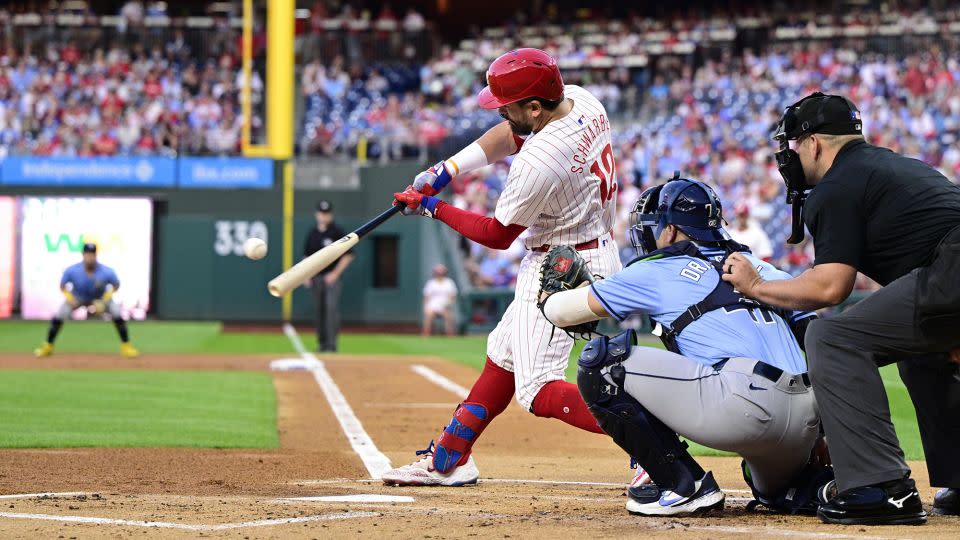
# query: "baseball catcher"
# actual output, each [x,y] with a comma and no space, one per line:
[733,376]
[92,285]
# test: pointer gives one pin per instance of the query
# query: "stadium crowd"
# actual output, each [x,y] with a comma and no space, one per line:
[708,115]
[694,102]
[713,123]
[59,96]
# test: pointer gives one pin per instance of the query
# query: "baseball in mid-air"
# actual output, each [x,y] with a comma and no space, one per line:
[255,249]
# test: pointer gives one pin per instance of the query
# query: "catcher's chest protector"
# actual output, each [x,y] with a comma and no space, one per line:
[723,294]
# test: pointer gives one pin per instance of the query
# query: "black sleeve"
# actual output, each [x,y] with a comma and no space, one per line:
[307,244]
[834,217]
[799,329]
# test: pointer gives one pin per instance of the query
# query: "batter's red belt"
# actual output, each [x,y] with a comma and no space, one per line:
[589,244]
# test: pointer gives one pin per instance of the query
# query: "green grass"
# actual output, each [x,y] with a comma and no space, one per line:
[96,336]
[466,350]
[208,337]
[52,408]
[902,411]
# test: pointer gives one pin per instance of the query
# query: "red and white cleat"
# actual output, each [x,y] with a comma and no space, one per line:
[422,473]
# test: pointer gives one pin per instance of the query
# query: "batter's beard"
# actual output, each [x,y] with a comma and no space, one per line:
[520,129]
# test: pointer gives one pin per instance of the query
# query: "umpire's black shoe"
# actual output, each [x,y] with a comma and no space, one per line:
[947,502]
[891,503]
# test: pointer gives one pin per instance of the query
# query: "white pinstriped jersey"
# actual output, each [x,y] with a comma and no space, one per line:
[562,184]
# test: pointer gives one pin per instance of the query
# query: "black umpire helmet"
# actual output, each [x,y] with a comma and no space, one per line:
[691,206]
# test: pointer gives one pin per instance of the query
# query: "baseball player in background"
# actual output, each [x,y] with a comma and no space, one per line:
[92,285]
[749,232]
[439,299]
[733,377]
[561,189]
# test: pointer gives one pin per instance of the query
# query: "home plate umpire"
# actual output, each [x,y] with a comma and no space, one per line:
[897,220]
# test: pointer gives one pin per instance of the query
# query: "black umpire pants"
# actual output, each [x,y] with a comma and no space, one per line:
[844,354]
[326,299]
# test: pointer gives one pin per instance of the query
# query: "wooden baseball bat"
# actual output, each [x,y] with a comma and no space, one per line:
[315,263]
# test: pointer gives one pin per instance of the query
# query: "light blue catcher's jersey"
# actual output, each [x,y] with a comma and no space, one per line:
[665,288]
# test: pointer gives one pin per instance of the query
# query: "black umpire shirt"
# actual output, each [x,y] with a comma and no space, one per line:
[317,240]
[880,212]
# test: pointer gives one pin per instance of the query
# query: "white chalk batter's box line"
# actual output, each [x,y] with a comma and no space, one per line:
[486,481]
[393,510]
[190,527]
[48,495]
[166,524]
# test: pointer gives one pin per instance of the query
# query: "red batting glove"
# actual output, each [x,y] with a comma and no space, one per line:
[410,198]
[416,202]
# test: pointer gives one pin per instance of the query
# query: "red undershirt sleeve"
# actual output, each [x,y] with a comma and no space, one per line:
[519,141]
[481,229]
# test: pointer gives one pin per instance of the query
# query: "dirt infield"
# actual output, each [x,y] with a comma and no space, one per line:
[539,478]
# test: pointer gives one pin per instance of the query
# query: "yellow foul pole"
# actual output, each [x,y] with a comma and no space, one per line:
[280,94]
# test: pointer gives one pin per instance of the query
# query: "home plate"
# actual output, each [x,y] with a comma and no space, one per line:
[362,498]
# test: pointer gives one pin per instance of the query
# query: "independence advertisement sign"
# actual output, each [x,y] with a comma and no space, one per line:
[69,171]
[53,232]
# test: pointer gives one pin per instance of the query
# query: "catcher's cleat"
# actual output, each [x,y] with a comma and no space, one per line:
[640,479]
[43,350]
[423,473]
[947,502]
[707,496]
[127,350]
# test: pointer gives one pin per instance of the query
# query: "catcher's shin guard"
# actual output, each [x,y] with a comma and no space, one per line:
[654,445]
[454,444]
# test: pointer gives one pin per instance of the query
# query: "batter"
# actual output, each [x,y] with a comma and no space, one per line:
[561,190]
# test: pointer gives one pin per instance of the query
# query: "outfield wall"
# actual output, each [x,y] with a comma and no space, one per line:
[199,271]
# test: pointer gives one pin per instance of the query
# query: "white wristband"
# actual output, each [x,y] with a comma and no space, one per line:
[469,159]
[567,308]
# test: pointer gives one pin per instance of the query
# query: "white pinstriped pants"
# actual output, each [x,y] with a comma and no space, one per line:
[522,342]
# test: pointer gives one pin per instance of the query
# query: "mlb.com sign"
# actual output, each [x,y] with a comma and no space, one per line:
[225,173]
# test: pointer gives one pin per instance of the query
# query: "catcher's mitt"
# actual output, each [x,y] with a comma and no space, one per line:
[563,269]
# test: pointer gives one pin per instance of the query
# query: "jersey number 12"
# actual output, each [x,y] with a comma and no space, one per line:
[606,169]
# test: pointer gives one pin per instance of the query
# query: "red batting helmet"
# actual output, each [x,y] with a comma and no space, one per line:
[519,74]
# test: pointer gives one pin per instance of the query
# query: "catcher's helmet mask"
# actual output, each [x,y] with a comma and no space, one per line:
[691,206]
[816,113]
